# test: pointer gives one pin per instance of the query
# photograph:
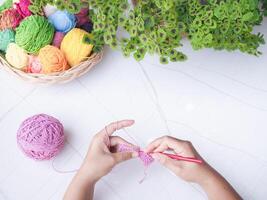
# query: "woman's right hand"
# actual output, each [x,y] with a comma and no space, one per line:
[215,186]
[192,172]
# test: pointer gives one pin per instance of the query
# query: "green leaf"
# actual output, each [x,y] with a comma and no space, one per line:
[164,60]
[247,16]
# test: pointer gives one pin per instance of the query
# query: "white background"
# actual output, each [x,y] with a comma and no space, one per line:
[218,100]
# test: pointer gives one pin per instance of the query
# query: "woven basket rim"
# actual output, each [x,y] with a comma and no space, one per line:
[57,77]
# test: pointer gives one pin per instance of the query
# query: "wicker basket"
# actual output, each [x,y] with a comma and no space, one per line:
[53,78]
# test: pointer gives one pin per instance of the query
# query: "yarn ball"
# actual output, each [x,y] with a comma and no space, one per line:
[74,46]
[63,21]
[6,5]
[17,56]
[52,60]
[33,33]
[82,17]
[23,8]
[49,10]
[9,18]
[58,37]
[41,137]
[35,65]
[6,37]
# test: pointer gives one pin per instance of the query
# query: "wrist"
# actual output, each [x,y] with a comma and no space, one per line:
[87,173]
[206,175]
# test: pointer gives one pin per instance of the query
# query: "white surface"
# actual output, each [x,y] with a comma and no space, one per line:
[218,100]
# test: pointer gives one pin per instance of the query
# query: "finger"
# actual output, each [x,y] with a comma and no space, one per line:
[114,126]
[165,161]
[123,156]
[162,147]
[116,140]
[164,143]
[153,145]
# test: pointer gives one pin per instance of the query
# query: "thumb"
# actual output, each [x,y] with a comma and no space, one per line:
[123,156]
[165,161]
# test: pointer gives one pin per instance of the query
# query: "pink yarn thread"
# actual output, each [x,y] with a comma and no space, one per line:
[144,157]
[41,137]
[58,37]
[23,8]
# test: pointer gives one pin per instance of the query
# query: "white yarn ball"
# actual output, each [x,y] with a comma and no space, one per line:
[49,10]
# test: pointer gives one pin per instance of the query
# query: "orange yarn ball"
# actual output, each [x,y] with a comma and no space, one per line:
[52,60]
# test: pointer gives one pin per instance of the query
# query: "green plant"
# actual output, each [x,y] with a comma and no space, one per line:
[264,7]
[157,26]
[73,6]
[153,26]
[225,25]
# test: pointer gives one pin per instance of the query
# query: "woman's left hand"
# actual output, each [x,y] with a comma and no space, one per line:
[102,155]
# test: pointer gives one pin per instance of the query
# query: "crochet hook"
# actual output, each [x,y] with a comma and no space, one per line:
[189,159]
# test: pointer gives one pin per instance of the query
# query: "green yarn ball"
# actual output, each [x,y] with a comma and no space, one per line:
[33,33]
[7,36]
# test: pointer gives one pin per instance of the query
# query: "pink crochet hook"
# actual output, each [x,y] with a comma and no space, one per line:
[189,159]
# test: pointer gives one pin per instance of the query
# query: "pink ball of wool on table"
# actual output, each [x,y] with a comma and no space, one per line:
[58,37]
[23,8]
[41,137]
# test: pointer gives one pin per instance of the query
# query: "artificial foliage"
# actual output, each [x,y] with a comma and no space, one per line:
[73,6]
[264,7]
[159,26]
[152,26]
[224,25]
[6,4]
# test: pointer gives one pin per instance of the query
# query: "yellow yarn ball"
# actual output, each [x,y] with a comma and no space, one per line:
[74,48]
[17,56]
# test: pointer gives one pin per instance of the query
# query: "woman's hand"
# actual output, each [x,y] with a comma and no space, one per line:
[188,171]
[216,187]
[102,155]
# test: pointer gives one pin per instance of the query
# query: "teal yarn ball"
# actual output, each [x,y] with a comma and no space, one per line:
[33,33]
[6,36]
[63,21]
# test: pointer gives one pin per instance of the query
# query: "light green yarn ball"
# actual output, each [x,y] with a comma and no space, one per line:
[7,36]
[33,33]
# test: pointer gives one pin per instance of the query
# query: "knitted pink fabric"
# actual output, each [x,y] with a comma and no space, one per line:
[144,157]
[23,8]
[41,137]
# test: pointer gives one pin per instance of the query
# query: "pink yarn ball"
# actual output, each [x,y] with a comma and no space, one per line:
[35,65]
[23,8]
[58,37]
[41,137]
